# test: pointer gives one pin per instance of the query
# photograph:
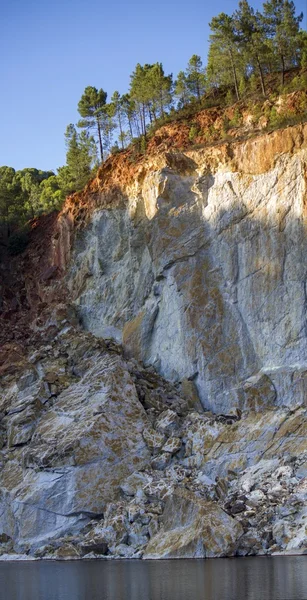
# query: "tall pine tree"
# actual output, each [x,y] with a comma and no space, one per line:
[224,57]
[252,39]
[282,28]
[195,76]
[91,109]
[81,156]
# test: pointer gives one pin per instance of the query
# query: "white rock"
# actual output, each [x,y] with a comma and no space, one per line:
[228,277]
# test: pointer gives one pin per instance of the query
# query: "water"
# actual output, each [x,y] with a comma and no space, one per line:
[276,578]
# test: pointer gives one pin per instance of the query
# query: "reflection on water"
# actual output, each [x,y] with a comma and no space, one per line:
[276,578]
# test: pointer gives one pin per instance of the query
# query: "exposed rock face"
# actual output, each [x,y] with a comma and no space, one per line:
[195,528]
[190,439]
[63,463]
[101,457]
[202,272]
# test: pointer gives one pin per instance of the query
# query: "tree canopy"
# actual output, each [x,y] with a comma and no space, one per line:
[92,110]
[245,48]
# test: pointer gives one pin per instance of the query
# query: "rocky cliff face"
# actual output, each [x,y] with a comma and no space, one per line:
[202,274]
[159,408]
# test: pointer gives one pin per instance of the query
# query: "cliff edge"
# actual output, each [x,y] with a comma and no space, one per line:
[159,408]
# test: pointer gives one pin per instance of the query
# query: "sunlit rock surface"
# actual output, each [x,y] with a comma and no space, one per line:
[194,528]
[202,272]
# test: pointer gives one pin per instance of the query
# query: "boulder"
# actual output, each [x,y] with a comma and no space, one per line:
[193,528]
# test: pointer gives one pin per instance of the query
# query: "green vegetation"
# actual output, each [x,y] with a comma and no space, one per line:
[92,107]
[252,55]
[247,49]
[29,193]
[25,194]
[81,159]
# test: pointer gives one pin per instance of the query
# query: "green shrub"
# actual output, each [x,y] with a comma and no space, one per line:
[242,86]
[298,83]
[256,111]
[225,124]
[194,131]
[274,117]
[303,103]
[143,145]
[236,120]
[115,149]
[211,134]
[286,118]
[253,82]
[138,147]
[229,98]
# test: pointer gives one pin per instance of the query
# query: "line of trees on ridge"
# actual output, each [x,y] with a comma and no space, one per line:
[245,48]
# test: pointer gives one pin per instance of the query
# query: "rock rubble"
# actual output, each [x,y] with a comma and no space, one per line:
[103,458]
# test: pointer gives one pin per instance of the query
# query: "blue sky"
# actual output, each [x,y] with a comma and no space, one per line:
[51,50]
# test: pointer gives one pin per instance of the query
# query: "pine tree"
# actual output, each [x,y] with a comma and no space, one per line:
[159,88]
[30,188]
[27,191]
[251,37]
[108,125]
[151,92]
[302,48]
[129,112]
[140,94]
[181,89]
[117,102]
[282,28]
[81,156]
[91,108]
[51,196]
[224,56]
[195,77]
[9,205]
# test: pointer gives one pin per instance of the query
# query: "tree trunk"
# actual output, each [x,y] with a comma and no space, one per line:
[198,91]
[282,70]
[234,75]
[120,130]
[144,121]
[261,75]
[139,121]
[130,126]
[154,114]
[161,103]
[100,140]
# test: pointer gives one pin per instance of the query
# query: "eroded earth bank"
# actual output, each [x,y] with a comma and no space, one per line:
[154,360]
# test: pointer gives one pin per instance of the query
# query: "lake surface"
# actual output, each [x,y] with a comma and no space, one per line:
[257,578]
